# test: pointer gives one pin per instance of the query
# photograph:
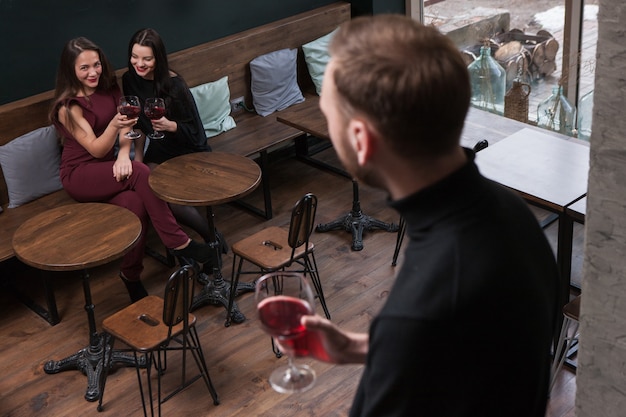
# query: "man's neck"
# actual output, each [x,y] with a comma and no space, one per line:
[410,176]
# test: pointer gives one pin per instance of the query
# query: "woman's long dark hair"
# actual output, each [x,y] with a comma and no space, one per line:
[162,79]
[67,84]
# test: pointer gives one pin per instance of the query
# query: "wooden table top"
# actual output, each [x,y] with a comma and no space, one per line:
[76,236]
[543,168]
[479,124]
[307,117]
[483,125]
[205,178]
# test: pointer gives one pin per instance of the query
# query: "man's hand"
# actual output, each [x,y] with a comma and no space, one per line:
[328,343]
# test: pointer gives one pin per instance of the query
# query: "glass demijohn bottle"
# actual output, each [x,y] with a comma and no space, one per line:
[488,80]
[557,113]
[585,112]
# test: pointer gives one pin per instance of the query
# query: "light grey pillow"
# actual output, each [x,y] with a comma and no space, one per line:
[274,81]
[213,102]
[30,165]
[316,57]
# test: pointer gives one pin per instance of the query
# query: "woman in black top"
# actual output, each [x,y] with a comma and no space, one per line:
[149,76]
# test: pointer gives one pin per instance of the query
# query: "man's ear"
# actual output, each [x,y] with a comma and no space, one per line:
[361,139]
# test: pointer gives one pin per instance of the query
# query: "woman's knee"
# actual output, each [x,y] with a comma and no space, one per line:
[132,201]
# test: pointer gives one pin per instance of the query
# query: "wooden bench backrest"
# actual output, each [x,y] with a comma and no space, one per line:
[232,54]
[201,64]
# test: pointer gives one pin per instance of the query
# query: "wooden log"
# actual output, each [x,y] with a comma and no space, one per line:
[551,47]
[539,55]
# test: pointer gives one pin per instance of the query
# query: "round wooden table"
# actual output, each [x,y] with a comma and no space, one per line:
[208,179]
[76,237]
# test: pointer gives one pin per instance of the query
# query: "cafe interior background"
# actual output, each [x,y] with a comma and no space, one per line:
[585,72]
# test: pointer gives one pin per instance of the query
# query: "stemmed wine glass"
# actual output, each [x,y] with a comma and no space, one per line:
[155,109]
[282,298]
[131,108]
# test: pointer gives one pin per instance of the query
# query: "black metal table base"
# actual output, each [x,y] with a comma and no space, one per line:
[90,361]
[217,291]
[356,222]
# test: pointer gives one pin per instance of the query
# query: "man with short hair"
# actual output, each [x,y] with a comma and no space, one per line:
[467,327]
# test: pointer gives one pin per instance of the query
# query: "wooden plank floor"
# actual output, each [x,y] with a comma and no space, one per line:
[239,357]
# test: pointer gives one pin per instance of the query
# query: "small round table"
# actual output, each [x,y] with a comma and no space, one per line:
[208,179]
[76,237]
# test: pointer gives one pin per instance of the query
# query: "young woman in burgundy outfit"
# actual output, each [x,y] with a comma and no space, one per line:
[86,116]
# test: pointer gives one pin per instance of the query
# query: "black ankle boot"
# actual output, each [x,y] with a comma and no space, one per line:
[199,252]
[136,290]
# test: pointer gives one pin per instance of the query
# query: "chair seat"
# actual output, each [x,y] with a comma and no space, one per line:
[142,335]
[154,326]
[567,337]
[572,309]
[274,254]
[276,248]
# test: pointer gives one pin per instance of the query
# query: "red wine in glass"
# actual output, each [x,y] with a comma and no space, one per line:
[280,315]
[131,108]
[155,113]
[131,111]
[306,344]
[154,109]
[282,299]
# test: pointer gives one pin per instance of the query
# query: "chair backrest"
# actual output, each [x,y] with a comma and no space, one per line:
[480,145]
[302,221]
[178,295]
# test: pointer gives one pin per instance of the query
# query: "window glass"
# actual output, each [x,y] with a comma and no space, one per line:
[526,37]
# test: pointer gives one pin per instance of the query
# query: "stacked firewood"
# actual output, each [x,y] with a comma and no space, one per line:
[523,56]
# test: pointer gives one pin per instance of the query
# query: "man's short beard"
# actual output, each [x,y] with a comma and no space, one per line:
[368,176]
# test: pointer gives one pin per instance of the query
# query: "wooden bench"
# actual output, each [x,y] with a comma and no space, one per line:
[254,136]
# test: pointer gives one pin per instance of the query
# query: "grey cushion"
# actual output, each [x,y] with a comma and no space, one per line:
[213,102]
[274,81]
[316,57]
[30,165]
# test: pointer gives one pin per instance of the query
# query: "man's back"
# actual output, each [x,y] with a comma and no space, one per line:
[467,328]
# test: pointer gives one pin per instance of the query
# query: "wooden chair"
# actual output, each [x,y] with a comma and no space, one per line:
[567,337]
[154,326]
[274,248]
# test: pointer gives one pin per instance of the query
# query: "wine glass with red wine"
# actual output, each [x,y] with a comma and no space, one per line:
[282,298]
[154,110]
[131,108]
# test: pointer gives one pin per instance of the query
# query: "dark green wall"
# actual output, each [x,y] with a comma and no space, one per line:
[33,32]
[369,7]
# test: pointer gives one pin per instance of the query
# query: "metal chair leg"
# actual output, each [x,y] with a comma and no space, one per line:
[399,239]
[563,346]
